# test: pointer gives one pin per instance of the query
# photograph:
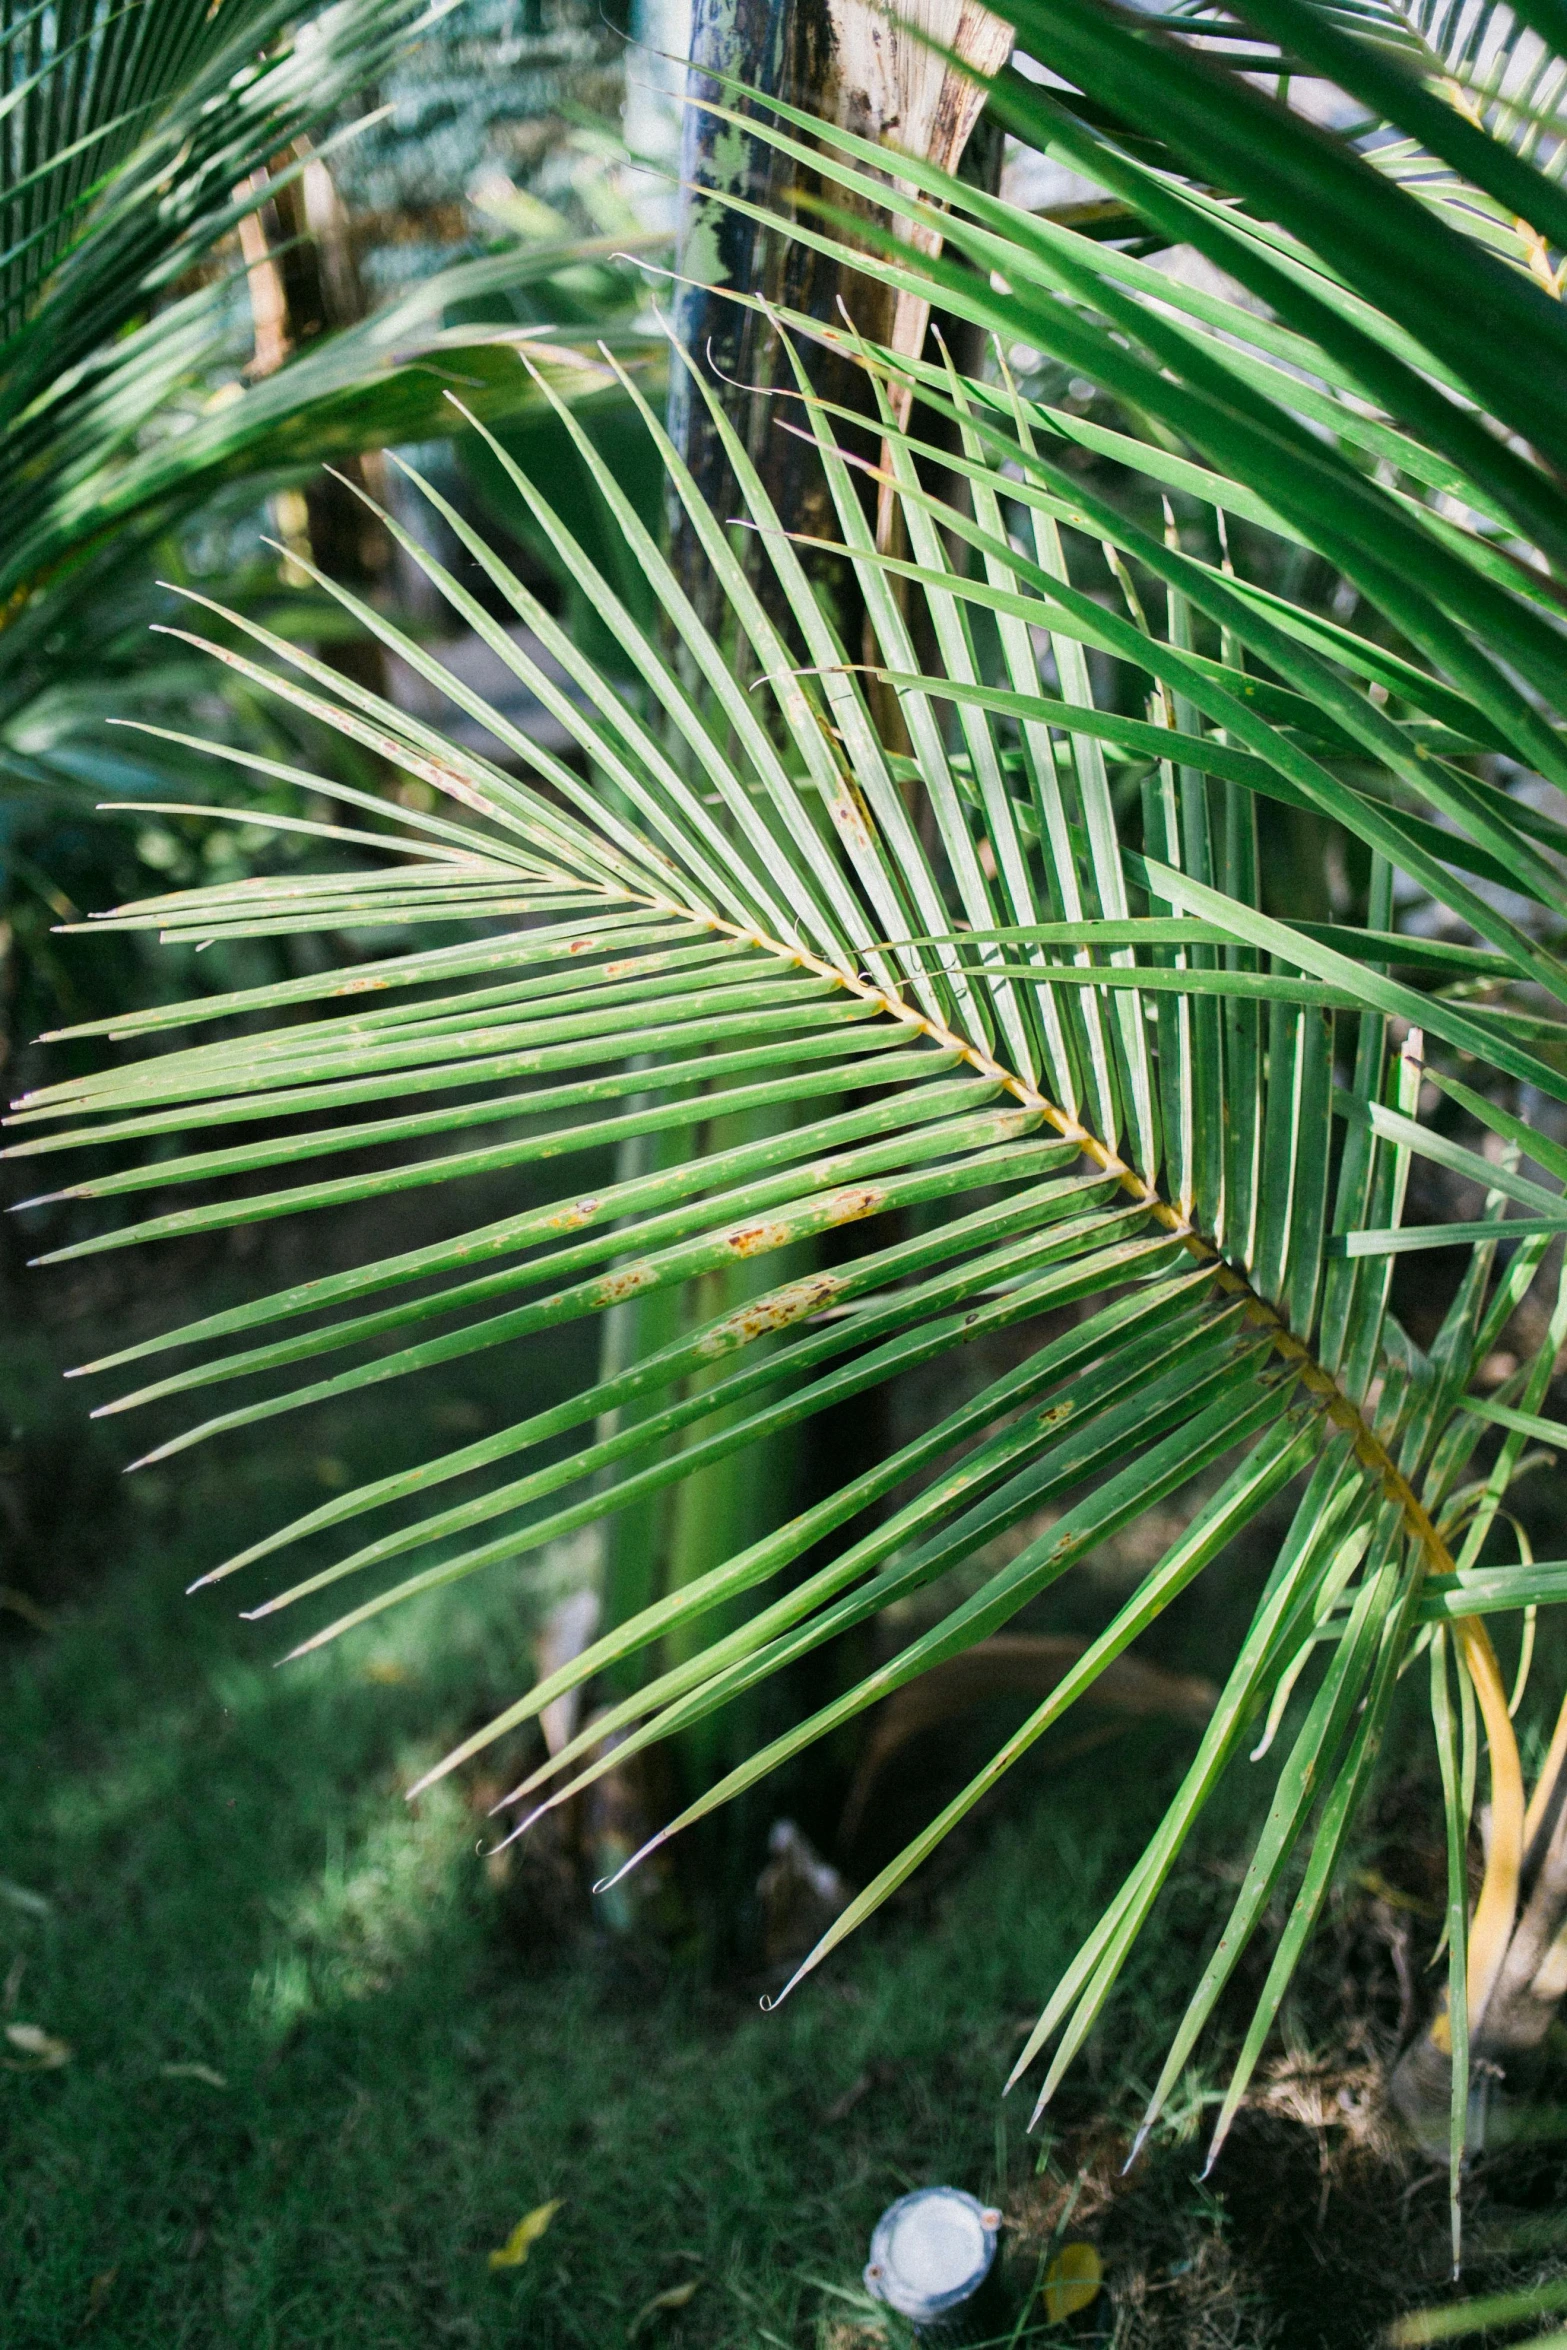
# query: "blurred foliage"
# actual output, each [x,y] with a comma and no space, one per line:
[491,92]
[145,432]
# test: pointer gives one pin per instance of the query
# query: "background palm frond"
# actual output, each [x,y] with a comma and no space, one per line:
[140,148]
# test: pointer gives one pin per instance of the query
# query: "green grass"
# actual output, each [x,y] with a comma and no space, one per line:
[234,1882]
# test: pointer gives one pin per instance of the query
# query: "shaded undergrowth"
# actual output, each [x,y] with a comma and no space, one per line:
[316,2073]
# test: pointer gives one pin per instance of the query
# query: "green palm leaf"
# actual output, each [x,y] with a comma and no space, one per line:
[1028,974]
[134,140]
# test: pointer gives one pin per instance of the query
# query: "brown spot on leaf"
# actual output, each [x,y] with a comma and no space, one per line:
[844,1207]
[572,1217]
[777,1312]
[616,1287]
[864,1200]
[444,778]
[754,1240]
[849,815]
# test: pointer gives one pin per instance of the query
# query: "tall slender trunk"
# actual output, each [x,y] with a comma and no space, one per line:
[850,63]
[304,283]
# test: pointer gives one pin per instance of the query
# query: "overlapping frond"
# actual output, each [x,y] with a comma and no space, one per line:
[134,141]
[1463,106]
[1021,998]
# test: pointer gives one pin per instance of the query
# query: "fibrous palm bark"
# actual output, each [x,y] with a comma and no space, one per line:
[879,73]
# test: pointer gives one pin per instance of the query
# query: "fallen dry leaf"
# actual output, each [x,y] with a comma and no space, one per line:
[1019,1664]
[524,2235]
[193,2072]
[1072,2281]
[44,2050]
[675,2297]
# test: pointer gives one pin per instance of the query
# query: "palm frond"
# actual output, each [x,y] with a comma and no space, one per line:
[1034,974]
[134,142]
[138,433]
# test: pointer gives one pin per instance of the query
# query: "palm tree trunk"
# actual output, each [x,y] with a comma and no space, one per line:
[303,283]
[841,60]
[848,62]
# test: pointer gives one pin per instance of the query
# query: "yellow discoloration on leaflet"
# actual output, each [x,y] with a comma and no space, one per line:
[674,2297]
[616,1287]
[843,1207]
[572,1217]
[1072,2281]
[1491,1926]
[777,1312]
[1011,1125]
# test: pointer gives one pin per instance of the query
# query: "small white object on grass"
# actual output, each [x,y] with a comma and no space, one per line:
[930,2251]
